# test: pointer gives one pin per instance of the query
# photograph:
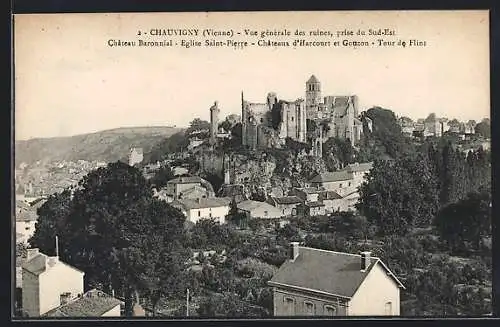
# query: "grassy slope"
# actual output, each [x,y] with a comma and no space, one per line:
[108,145]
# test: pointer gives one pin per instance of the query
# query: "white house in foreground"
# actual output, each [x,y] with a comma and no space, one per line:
[314,282]
[53,288]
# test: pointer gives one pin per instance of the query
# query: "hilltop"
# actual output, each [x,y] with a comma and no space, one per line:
[108,145]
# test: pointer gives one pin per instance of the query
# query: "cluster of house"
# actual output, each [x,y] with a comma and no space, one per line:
[436,127]
[311,282]
[326,193]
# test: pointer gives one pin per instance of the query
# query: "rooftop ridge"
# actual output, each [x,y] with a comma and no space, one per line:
[334,252]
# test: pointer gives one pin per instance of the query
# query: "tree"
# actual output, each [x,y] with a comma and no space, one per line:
[173,144]
[197,125]
[162,176]
[386,136]
[398,195]
[430,118]
[109,228]
[465,224]
[337,150]
[229,305]
[483,129]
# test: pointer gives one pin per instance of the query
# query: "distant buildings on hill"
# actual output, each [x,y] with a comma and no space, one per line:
[433,126]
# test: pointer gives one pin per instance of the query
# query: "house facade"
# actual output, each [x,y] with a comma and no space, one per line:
[259,210]
[204,208]
[46,282]
[314,282]
[287,204]
[188,187]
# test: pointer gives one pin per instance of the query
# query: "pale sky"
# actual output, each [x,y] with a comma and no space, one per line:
[69,81]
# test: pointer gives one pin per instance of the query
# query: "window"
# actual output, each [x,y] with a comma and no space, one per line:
[340,185]
[330,311]
[261,120]
[388,309]
[308,308]
[27,228]
[210,215]
[199,213]
[289,306]
[265,213]
[294,212]
[292,118]
[349,184]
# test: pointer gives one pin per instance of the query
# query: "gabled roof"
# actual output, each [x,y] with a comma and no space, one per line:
[41,262]
[185,180]
[200,203]
[332,176]
[314,204]
[358,167]
[329,195]
[193,190]
[94,303]
[249,205]
[333,273]
[287,199]
[311,190]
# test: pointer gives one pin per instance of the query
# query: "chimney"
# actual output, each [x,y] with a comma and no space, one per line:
[31,253]
[365,260]
[65,297]
[294,250]
[53,261]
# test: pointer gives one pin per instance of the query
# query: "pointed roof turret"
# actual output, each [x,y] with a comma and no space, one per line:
[313,79]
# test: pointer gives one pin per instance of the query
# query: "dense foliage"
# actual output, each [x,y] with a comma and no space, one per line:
[109,228]
[409,191]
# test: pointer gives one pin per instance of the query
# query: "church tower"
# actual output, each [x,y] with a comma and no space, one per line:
[313,92]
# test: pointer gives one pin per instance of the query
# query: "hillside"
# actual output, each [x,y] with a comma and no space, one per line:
[108,145]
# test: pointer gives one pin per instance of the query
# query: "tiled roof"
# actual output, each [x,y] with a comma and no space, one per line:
[288,199]
[41,262]
[314,204]
[311,190]
[331,272]
[189,204]
[185,180]
[357,167]
[250,205]
[332,176]
[329,195]
[94,303]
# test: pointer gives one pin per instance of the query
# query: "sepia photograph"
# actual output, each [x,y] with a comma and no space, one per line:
[252,165]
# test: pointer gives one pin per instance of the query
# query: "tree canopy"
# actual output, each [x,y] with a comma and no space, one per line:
[115,231]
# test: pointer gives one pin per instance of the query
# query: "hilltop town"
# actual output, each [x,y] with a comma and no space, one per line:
[300,207]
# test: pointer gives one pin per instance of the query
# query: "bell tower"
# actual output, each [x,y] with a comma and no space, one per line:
[313,92]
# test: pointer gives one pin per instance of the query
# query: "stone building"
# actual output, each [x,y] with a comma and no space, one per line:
[340,113]
[214,123]
[269,124]
[259,129]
